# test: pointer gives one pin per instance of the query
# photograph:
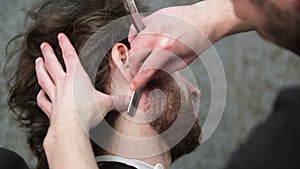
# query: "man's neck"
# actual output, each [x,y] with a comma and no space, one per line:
[137,130]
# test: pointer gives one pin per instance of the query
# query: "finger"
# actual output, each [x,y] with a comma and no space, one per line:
[44,79]
[44,103]
[120,103]
[176,63]
[136,59]
[112,102]
[52,64]
[132,34]
[142,78]
[143,45]
[152,64]
[68,51]
[143,41]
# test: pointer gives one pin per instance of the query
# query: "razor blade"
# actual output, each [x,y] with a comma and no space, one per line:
[136,95]
[138,24]
[135,16]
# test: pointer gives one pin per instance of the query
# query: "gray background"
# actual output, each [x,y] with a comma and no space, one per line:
[255,71]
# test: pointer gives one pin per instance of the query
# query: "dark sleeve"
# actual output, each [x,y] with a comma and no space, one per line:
[113,165]
[274,144]
[11,160]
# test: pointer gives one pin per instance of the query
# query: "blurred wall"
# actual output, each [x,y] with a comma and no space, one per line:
[11,136]
[255,71]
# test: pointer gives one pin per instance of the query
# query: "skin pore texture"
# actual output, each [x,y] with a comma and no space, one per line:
[158,108]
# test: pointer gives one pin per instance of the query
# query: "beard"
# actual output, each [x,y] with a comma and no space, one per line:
[176,109]
[188,131]
[280,26]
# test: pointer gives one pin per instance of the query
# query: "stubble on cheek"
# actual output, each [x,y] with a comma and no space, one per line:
[180,110]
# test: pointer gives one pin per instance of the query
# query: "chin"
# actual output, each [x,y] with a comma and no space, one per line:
[178,108]
[186,136]
[188,144]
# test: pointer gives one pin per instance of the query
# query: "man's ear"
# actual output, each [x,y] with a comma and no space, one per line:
[119,55]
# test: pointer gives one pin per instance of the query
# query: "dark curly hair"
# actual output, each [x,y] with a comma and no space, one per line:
[78,19]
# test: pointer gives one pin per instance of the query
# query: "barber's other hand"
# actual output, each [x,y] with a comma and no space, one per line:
[70,107]
[181,31]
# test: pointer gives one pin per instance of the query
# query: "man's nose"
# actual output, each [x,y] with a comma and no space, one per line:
[193,90]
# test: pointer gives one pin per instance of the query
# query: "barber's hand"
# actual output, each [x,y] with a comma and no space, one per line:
[176,36]
[69,106]
[169,40]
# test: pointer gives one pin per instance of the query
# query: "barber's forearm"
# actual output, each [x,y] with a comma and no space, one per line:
[222,19]
[69,148]
[232,24]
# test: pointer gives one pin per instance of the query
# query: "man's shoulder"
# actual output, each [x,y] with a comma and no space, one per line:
[288,100]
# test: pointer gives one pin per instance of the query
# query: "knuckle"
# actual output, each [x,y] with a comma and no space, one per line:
[108,100]
[41,82]
[46,87]
[68,54]
[71,58]
[48,64]
[146,72]
[48,90]
[166,43]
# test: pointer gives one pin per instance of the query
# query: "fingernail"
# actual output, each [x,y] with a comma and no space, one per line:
[59,36]
[42,45]
[131,86]
[38,59]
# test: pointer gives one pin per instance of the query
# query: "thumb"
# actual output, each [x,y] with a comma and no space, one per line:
[120,103]
[132,34]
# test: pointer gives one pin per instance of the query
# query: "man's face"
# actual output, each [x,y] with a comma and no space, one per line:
[175,102]
[276,20]
[166,103]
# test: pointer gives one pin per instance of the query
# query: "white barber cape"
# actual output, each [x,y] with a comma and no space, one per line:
[130,162]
